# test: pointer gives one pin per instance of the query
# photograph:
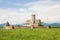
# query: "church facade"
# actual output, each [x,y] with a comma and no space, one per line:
[33,22]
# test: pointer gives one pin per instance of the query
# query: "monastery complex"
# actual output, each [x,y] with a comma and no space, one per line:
[32,23]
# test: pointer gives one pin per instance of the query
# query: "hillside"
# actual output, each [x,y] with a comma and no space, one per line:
[55,24]
[30,34]
[51,24]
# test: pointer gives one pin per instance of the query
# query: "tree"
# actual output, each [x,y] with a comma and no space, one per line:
[39,24]
[49,26]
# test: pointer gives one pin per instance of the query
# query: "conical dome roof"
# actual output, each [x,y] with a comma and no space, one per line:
[7,24]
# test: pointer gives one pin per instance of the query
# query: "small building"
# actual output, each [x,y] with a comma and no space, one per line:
[7,26]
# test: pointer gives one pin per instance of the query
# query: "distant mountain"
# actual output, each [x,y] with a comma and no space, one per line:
[1,25]
[45,24]
[51,24]
[55,24]
[17,24]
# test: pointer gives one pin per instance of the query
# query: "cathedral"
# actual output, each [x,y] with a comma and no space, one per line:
[33,22]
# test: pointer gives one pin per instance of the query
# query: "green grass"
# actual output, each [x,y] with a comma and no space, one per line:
[30,34]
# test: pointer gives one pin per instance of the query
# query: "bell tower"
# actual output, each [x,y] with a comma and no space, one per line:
[33,18]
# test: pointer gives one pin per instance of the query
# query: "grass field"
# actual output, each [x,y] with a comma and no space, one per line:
[30,34]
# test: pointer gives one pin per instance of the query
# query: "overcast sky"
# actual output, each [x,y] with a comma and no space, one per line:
[18,11]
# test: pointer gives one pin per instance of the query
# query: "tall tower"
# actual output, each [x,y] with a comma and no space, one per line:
[33,23]
[33,18]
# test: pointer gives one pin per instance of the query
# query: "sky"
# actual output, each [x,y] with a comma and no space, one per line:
[18,11]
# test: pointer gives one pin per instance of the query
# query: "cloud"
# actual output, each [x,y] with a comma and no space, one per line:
[14,16]
[47,11]
[48,0]
[8,15]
